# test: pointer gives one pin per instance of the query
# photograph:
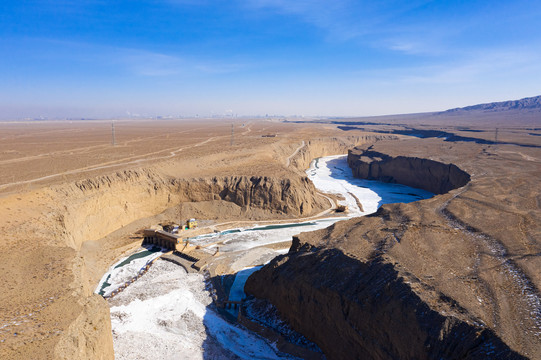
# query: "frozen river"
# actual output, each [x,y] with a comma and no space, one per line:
[166,314]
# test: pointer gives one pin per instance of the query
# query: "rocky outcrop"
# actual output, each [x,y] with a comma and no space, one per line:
[426,280]
[426,174]
[355,309]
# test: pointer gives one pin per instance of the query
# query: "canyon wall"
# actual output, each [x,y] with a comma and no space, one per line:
[294,196]
[315,148]
[93,208]
[426,174]
[96,207]
[356,309]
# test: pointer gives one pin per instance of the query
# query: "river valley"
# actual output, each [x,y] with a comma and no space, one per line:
[168,313]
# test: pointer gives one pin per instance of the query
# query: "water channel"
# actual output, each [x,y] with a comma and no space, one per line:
[167,313]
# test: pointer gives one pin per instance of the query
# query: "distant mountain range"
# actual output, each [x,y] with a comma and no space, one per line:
[531,103]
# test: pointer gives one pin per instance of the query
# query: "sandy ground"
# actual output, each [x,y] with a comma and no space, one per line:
[54,263]
[38,153]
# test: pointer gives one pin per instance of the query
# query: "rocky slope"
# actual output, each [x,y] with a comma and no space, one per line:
[449,277]
[368,309]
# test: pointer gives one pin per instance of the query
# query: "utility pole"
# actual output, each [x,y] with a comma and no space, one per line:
[180,225]
[113,133]
[232,134]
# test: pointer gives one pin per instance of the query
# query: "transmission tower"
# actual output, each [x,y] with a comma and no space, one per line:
[113,133]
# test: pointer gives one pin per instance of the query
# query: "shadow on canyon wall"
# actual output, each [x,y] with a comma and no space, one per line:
[356,310]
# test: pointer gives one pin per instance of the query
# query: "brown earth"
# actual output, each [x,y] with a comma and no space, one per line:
[71,204]
[408,280]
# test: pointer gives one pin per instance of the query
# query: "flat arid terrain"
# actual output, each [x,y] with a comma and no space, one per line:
[458,273]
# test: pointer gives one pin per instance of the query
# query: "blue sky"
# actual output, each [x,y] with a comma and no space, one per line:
[83,58]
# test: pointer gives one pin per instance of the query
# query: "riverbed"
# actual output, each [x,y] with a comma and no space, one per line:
[166,313]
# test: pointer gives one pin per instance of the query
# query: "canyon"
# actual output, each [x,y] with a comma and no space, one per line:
[64,225]
[466,260]
[445,277]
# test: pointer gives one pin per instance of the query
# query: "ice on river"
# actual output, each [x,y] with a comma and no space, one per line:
[260,235]
[332,174]
[165,315]
[125,269]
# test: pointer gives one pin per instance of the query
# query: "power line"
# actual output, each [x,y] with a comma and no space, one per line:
[113,134]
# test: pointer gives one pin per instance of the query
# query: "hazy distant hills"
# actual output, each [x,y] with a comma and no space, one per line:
[528,104]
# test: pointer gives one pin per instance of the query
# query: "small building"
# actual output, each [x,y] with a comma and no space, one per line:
[191,224]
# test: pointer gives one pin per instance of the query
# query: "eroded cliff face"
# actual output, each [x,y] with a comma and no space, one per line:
[367,309]
[315,148]
[426,174]
[97,207]
[294,196]
[444,278]
[89,336]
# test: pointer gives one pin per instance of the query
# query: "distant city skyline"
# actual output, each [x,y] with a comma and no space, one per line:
[99,59]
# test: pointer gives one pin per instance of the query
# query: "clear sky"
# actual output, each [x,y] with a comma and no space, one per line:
[103,58]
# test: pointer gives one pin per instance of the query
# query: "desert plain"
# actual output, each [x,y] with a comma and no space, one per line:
[72,203]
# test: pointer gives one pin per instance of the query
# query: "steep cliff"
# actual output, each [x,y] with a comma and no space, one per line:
[98,206]
[420,173]
[77,215]
[315,148]
[367,309]
[294,196]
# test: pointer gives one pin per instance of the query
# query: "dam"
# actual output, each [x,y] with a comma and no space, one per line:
[162,238]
